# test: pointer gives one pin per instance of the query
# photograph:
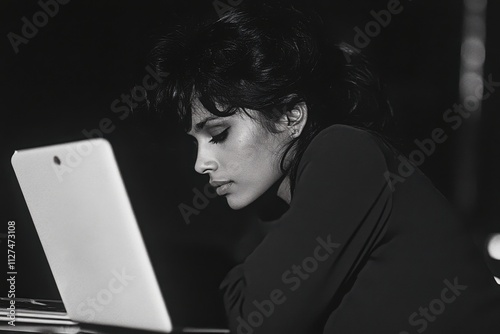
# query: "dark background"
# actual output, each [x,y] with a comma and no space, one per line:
[64,80]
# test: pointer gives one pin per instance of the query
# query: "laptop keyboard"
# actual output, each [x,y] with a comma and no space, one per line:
[34,304]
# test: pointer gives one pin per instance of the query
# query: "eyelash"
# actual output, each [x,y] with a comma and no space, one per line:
[220,137]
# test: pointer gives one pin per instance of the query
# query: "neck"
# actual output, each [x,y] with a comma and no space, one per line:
[284,190]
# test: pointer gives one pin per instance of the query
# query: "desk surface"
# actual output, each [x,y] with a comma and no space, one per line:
[52,318]
[91,329]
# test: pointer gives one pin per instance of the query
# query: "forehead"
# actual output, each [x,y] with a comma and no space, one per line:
[199,112]
[199,117]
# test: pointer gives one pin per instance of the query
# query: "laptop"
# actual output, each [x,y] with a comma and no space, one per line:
[87,228]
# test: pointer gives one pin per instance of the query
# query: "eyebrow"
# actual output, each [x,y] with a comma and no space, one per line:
[199,126]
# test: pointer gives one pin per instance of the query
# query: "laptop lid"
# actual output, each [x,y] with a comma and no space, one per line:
[83,217]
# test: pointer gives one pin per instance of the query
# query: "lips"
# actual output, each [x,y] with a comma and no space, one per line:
[221,186]
[216,184]
[223,189]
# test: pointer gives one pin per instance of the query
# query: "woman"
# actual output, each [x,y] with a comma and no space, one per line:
[361,248]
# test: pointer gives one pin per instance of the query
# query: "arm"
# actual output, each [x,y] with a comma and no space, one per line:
[338,213]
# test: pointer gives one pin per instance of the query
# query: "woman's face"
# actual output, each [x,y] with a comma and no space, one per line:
[238,152]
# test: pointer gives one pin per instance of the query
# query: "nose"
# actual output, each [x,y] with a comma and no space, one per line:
[204,162]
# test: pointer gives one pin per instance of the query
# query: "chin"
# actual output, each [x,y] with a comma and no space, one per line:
[236,203]
[237,200]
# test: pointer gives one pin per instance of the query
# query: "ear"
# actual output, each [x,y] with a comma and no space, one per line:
[294,120]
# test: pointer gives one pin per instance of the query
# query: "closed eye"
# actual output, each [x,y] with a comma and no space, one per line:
[220,137]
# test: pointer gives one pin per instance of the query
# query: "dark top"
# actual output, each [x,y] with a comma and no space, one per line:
[362,251]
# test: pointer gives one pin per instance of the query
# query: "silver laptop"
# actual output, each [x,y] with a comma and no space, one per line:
[83,217]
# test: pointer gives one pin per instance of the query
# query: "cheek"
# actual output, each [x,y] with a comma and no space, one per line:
[251,152]
[253,162]
[240,163]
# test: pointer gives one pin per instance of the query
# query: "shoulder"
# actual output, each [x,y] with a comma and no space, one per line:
[342,164]
[343,151]
[341,140]
[343,132]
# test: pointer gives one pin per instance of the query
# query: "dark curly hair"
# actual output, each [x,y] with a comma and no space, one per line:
[268,58]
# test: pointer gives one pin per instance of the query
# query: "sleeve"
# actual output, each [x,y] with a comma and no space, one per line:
[339,210]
